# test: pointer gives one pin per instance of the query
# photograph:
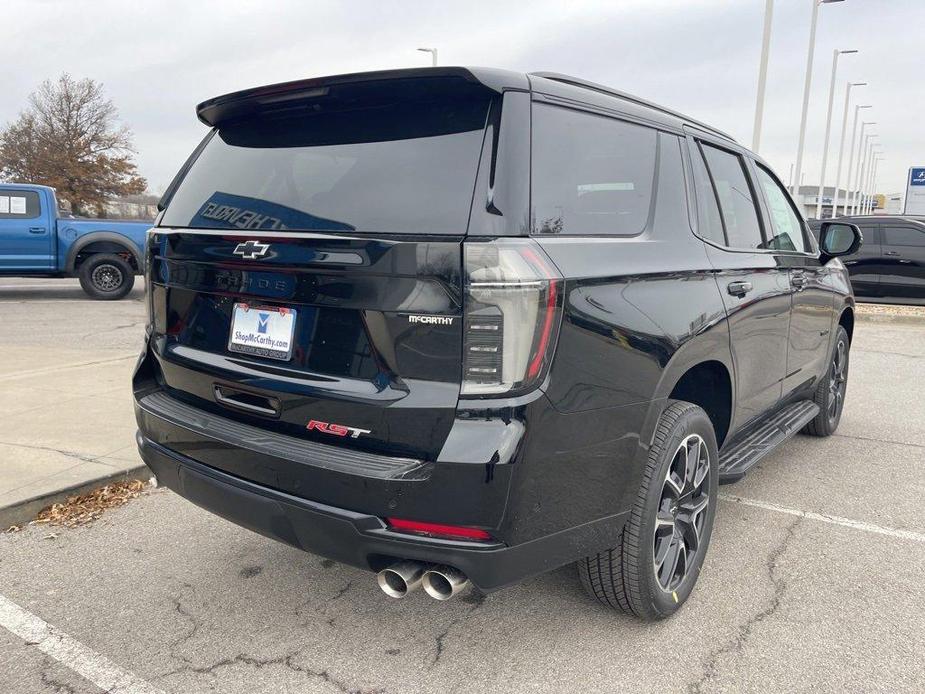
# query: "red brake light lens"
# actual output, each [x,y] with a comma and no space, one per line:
[454,532]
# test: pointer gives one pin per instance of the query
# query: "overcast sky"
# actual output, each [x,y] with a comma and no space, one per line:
[157,60]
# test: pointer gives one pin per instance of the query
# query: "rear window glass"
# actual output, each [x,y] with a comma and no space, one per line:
[591,174]
[904,236]
[406,167]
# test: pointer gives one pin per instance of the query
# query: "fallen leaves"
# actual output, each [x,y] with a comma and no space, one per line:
[86,508]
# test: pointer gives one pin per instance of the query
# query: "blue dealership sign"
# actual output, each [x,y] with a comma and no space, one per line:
[917,177]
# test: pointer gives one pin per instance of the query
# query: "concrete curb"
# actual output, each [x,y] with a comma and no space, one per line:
[21,512]
[889,318]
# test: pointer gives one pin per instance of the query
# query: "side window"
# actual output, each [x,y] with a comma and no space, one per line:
[871,234]
[903,236]
[737,204]
[710,222]
[786,225]
[590,174]
[19,204]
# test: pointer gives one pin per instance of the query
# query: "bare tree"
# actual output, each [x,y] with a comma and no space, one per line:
[69,138]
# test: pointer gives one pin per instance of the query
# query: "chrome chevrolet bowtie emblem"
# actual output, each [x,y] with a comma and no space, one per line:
[251,250]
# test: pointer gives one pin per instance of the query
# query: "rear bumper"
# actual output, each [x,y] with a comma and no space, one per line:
[360,539]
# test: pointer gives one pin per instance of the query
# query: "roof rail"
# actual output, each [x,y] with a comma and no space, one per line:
[577,82]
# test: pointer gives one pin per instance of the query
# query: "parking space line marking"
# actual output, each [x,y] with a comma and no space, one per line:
[823,518]
[39,286]
[92,666]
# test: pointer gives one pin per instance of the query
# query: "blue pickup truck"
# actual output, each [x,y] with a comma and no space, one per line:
[36,242]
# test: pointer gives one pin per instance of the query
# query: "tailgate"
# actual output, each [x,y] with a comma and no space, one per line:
[373,325]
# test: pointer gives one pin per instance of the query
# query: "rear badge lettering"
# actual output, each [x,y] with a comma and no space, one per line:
[335,429]
[432,320]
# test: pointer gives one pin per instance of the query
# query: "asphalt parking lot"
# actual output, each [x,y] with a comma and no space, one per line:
[813,581]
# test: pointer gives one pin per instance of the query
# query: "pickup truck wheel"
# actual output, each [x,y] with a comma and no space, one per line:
[830,393]
[105,276]
[653,567]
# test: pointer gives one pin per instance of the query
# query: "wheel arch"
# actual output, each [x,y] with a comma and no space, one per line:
[101,242]
[846,320]
[709,385]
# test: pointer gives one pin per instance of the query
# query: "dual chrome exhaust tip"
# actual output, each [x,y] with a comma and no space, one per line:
[440,582]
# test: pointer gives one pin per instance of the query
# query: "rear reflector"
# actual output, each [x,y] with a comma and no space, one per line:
[456,532]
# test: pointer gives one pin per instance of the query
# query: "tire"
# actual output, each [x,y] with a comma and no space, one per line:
[625,576]
[830,393]
[107,277]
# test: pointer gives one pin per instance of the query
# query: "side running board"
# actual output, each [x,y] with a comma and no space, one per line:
[743,453]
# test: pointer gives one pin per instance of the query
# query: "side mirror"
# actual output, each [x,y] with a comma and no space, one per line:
[839,238]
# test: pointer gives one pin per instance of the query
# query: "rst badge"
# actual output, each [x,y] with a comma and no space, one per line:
[335,429]
[251,250]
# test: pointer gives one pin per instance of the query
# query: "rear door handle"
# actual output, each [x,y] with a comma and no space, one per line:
[890,252]
[739,289]
[36,230]
[798,281]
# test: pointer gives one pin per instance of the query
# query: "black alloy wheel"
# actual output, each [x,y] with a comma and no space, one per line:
[680,518]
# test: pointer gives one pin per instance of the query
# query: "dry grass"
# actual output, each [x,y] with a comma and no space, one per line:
[83,509]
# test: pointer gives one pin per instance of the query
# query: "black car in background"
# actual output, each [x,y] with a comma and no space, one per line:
[889,267]
[466,326]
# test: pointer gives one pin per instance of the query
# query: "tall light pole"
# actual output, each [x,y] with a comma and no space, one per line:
[852,146]
[862,143]
[870,184]
[828,128]
[862,207]
[807,84]
[873,183]
[862,174]
[841,147]
[433,55]
[762,74]
[870,166]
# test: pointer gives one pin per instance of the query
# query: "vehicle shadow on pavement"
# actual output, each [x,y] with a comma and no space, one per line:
[58,294]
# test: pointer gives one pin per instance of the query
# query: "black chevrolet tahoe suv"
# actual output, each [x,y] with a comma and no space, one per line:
[463,326]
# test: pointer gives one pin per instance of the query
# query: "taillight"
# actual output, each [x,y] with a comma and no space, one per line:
[146,271]
[512,308]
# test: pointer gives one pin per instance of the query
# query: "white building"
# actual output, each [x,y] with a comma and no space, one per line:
[809,195]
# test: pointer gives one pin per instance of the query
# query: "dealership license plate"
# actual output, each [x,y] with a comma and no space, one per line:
[262,331]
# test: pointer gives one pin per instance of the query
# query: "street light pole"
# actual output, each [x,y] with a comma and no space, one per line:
[828,128]
[806,86]
[870,166]
[873,183]
[862,208]
[433,55]
[862,143]
[852,147]
[841,147]
[868,207]
[762,74]
[862,174]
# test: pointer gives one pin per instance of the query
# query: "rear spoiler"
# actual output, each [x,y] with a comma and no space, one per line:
[286,94]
